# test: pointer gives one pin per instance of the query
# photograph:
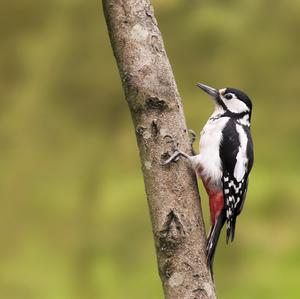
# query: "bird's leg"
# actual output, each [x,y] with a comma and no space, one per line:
[177,153]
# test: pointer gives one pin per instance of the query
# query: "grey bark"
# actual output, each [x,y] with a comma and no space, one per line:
[156,110]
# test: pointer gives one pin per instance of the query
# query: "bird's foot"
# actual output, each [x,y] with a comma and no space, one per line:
[192,137]
[192,140]
[176,153]
[174,157]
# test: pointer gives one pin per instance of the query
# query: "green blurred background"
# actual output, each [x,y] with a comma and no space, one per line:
[73,220]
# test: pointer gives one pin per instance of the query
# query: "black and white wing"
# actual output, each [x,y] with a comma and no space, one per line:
[236,153]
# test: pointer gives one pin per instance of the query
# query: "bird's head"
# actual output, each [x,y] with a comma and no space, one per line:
[230,100]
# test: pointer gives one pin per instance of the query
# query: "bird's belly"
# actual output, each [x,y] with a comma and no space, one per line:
[210,161]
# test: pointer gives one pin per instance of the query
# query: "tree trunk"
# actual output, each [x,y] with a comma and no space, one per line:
[156,110]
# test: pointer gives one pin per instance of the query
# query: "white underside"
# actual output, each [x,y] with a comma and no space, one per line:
[209,158]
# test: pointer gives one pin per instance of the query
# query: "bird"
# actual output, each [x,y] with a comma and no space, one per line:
[224,162]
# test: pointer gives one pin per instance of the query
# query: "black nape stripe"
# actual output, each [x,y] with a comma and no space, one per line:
[230,114]
[235,115]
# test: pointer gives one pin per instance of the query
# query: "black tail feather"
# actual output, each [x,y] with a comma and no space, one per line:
[213,240]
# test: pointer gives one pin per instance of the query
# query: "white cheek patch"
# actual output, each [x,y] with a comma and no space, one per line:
[236,106]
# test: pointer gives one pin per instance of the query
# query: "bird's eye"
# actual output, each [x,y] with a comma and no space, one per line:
[228,96]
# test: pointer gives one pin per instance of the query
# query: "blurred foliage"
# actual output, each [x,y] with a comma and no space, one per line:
[74,221]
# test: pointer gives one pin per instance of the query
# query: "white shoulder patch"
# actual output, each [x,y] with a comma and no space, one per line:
[242,160]
[245,120]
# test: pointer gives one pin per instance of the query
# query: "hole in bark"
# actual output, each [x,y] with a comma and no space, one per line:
[154,128]
[156,104]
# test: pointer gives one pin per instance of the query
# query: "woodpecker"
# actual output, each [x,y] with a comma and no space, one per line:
[224,162]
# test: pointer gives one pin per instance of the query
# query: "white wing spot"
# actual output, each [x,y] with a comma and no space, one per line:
[228,213]
[237,201]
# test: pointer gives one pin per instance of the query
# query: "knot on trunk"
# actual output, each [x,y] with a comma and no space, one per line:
[171,236]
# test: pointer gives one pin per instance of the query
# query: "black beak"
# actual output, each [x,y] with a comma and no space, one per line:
[211,91]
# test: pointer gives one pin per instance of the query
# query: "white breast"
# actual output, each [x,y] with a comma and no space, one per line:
[209,158]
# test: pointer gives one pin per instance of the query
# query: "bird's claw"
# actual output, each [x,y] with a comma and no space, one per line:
[176,155]
[192,140]
[193,136]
